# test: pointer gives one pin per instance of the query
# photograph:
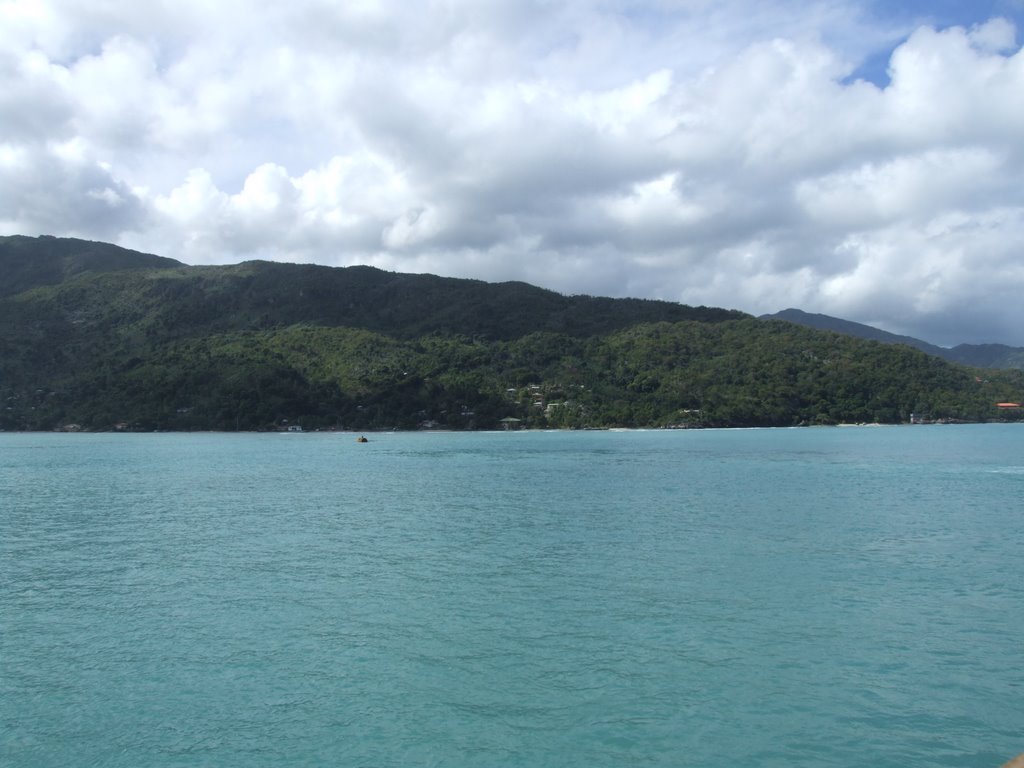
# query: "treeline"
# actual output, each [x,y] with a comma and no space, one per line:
[689,374]
[268,346]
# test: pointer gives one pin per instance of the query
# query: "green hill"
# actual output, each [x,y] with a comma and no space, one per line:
[99,337]
[29,262]
[979,355]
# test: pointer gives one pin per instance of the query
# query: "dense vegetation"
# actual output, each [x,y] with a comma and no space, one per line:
[978,355]
[102,338]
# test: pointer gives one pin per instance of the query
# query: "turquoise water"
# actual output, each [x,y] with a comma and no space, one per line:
[817,597]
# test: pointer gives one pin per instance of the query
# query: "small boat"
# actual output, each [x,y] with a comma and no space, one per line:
[361,439]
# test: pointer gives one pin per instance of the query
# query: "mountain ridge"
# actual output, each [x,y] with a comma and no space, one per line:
[31,262]
[401,304]
[95,337]
[978,355]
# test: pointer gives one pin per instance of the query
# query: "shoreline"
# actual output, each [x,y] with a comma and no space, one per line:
[534,430]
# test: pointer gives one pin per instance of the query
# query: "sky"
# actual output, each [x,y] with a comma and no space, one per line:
[858,158]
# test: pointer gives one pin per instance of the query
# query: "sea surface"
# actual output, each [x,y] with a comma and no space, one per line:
[803,597]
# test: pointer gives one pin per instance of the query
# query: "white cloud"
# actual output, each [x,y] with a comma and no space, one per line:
[903,188]
[713,153]
[912,277]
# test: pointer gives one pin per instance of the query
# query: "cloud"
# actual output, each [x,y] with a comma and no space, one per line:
[718,153]
[59,188]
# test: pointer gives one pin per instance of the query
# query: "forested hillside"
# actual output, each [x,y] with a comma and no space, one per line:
[980,355]
[96,337]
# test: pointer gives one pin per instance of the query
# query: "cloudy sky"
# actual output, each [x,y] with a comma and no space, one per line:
[860,158]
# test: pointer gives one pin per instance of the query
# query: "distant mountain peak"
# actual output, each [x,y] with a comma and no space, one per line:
[979,355]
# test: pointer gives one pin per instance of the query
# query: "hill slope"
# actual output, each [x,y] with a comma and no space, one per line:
[98,337]
[29,262]
[978,355]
